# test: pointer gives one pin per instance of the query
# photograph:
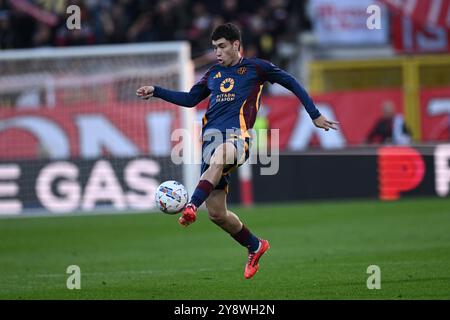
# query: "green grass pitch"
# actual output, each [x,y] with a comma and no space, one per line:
[318,251]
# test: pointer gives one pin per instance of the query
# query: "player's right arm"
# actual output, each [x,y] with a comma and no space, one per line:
[186,99]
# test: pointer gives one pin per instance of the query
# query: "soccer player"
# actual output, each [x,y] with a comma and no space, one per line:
[235,85]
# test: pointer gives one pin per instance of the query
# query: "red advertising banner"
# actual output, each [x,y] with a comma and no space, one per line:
[410,37]
[435,114]
[92,131]
[357,113]
[420,26]
[87,131]
[423,12]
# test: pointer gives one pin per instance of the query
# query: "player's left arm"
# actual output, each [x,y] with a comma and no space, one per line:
[274,74]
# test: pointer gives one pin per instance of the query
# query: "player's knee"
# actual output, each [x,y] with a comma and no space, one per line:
[215,167]
[217,216]
[230,154]
[218,159]
[229,158]
[217,209]
[216,213]
[224,155]
[213,173]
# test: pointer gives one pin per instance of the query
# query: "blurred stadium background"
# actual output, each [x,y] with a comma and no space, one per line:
[75,139]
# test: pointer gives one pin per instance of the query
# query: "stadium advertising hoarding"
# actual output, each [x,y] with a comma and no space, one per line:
[344,22]
[420,26]
[411,37]
[93,131]
[86,131]
[388,173]
[425,13]
[59,187]
[435,114]
[58,150]
[356,111]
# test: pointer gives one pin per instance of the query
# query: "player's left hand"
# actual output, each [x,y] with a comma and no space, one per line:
[324,123]
[145,92]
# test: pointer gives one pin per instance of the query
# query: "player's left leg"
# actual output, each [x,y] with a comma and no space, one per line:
[230,222]
[220,215]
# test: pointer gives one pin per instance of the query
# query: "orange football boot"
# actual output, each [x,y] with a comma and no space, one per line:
[189,215]
[253,258]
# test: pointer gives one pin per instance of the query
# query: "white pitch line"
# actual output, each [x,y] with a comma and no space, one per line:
[109,273]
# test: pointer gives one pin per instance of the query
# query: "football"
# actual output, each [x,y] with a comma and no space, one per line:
[171,197]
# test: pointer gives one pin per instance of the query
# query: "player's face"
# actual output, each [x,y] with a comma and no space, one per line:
[226,52]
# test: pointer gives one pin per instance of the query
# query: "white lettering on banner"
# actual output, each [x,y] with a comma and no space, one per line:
[409,7]
[428,39]
[447,21]
[159,126]
[138,177]
[9,189]
[103,186]
[434,12]
[304,131]
[97,132]
[442,169]
[408,35]
[59,190]
[68,189]
[51,137]
[437,107]
[432,39]
[345,22]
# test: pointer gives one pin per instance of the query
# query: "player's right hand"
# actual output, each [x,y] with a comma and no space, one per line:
[145,92]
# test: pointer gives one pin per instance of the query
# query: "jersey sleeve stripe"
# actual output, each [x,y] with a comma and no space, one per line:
[249,108]
[242,119]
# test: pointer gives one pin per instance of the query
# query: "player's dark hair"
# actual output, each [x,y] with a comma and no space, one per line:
[228,31]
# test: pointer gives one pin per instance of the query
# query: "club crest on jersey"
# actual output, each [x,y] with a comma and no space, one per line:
[227,85]
[218,75]
[242,70]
